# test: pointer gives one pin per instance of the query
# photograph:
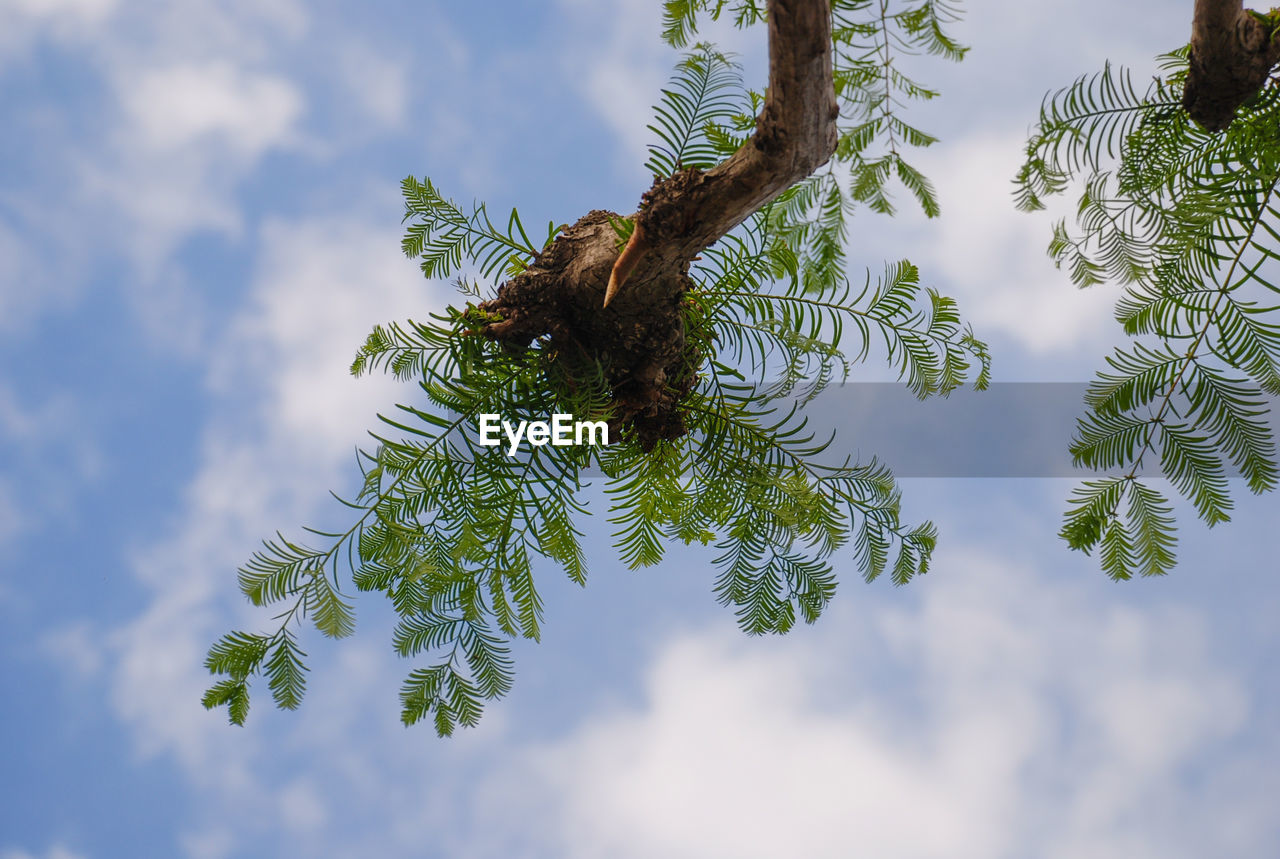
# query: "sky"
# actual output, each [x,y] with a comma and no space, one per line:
[200,221]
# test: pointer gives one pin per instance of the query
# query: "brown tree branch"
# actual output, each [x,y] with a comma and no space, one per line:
[795,132]
[1232,54]
[795,135]
[639,337]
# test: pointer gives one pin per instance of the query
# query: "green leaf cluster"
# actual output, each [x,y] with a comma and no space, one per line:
[451,531]
[440,234]
[701,114]
[872,39]
[1188,223]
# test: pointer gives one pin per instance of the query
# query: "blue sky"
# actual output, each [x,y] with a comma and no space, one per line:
[199,222]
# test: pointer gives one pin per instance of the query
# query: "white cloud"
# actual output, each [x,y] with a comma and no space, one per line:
[619,62]
[23,22]
[732,759]
[12,521]
[75,647]
[250,33]
[994,255]
[287,416]
[180,104]
[1067,38]
[186,137]
[620,68]
[188,104]
[1008,717]
[28,282]
[185,101]
[321,287]
[301,807]
[51,457]
[21,423]
[57,851]
[288,419]
[213,843]
[72,9]
[375,85]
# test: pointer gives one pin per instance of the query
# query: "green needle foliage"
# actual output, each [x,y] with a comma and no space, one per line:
[694,117]
[450,531]
[1189,223]
[871,39]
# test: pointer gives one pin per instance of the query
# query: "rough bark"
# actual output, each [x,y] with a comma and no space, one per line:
[1232,54]
[640,337]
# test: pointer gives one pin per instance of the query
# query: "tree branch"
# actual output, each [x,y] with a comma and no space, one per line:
[639,337]
[1232,53]
[795,135]
[795,132]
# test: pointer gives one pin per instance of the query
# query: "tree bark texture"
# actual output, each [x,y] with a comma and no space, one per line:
[639,336]
[1232,54]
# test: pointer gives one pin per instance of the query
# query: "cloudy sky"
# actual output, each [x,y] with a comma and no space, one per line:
[199,222]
